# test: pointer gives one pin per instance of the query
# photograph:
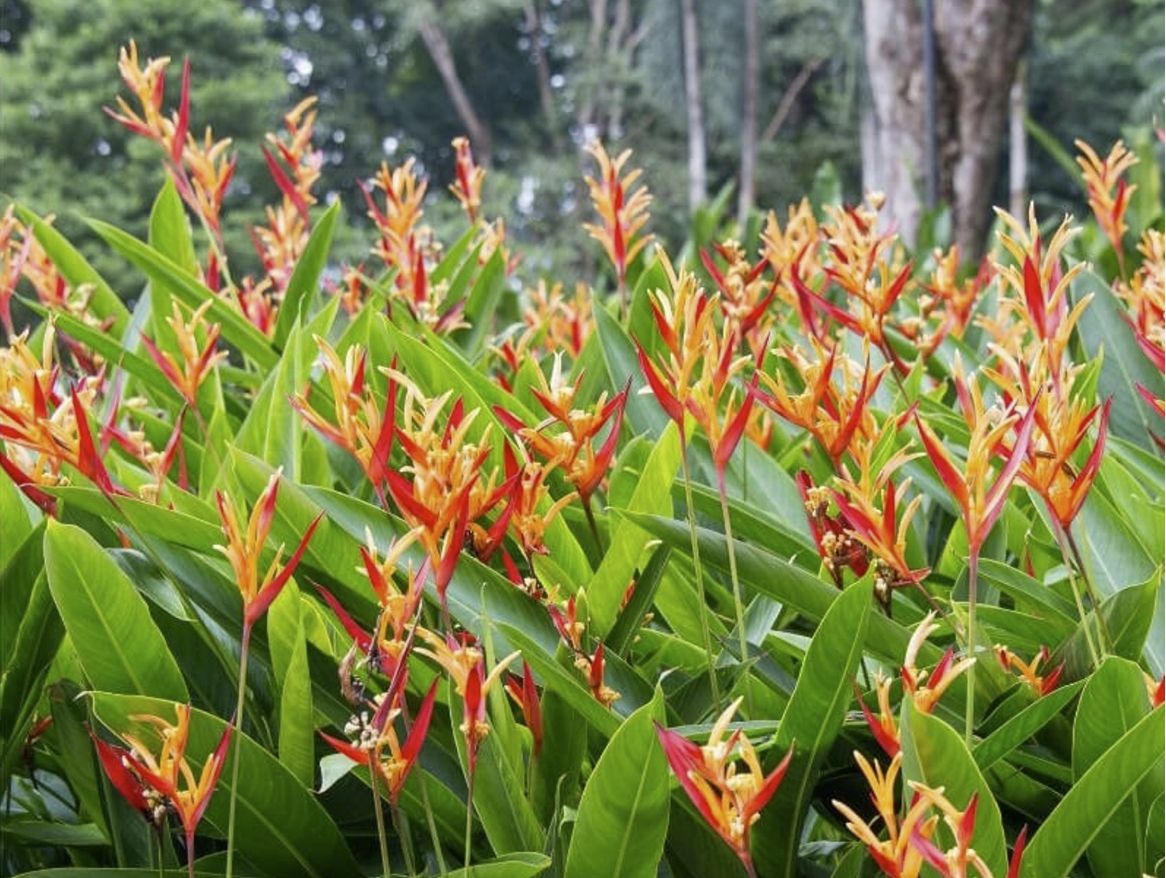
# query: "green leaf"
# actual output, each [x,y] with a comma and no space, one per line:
[934,754]
[236,328]
[619,355]
[623,815]
[305,278]
[1113,702]
[1093,799]
[280,826]
[606,590]
[1023,726]
[523,864]
[811,723]
[109,624]
[289,658]
[1103,326]
[482,302]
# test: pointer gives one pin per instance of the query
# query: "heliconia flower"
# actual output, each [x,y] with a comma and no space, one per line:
[467,185]
[837,546]
[960,860]
[527,523]
[245,547]
[885,726]
[1109,193]
[745,296]
[196,359]
[955,300]
[379,747]
[566,622]
[525,695]
[401,243]
[1040,684]
[927,689]
[728,796]
[474,689]
[1061,424]
[880,530]
[1038,289]
[898,855]
[555,323]
[593,666]
[622,207]
[980,503]
[44,429]
[295,168]
[572,445]
[682,315]
[150,782]
[833,413]
[722,415]
[362,426]
[1145,298]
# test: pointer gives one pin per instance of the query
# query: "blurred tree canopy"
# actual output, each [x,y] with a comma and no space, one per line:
[530,81]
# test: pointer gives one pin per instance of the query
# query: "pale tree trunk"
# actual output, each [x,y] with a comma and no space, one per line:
[439,50]
[619,54]
[747,194]
[694,109]
[978,47]
[1017,148]
[598,15]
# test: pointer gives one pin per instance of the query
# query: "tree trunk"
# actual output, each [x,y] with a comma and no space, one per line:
[546,96]
[747,194]
[598,16]
[694,109]
[978,47]
[1017,148]
[437,45]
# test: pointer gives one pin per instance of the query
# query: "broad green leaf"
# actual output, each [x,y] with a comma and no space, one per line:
[280,826]
[524,864]
[811,722]
[1113,702]
[305,278]
[289,658]
[1093,799]
[109,624]
[619,356]
[1023,726]
[236,328]
[18,517]
[170,235]
[482,302]
[606,590]
[934,754]
[623,815]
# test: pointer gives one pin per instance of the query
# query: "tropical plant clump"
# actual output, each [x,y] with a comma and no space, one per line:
[796,554]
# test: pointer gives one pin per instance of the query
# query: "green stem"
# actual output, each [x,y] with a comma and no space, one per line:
[402,829]
[379,811]
[705,631]
[240,706]
[190,855]
[161,851]
[469,822]
[1094,598]
[738,604]
[1062,542]
[432,826]
[970,709]
[587,511]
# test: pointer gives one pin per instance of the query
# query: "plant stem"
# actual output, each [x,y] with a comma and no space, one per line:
[1094,598]
[379,811]
[469,822]
[432,827]
[705,631]
[970,709]
[161,852]
[587,511]
[742,636]
[1062,542]
[402,829]
[190,854]
[240,706]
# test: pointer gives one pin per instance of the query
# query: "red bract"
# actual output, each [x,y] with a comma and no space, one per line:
[525,695]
